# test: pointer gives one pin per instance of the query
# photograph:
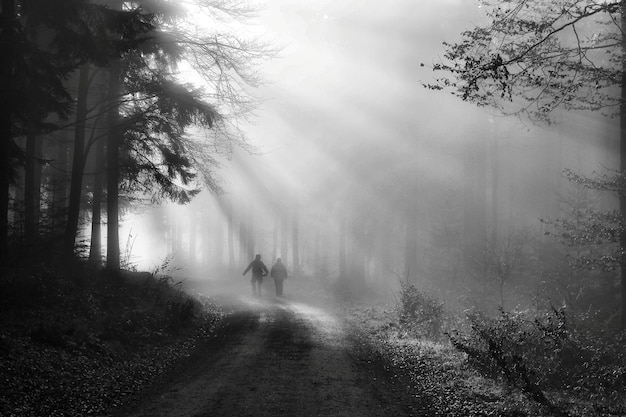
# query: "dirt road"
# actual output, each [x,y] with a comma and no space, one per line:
[278,357]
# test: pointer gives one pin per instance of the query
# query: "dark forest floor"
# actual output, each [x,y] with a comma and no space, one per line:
[76,343]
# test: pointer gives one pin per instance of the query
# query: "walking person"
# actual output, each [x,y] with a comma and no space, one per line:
[279,273]
[259,270]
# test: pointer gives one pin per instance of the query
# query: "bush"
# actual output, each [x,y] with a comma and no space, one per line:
[420,312]
[180,312]
[536,354]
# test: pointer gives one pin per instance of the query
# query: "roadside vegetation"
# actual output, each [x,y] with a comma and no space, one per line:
[550,363]
[78,341]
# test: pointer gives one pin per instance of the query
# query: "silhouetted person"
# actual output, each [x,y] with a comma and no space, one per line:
[279,273]
[259,270]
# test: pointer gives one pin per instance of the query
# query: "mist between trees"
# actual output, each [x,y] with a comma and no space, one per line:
[474,208]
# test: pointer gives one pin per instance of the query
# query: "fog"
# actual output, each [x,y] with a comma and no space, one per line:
[378,178]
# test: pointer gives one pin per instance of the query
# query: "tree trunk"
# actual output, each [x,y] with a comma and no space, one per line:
[284,232]
[5,173]
[243,241]
[475,197]
[275,238]
[231,236]
[78,164]
[357,256]
[177,236]
[410,256]
[251,234]
[326,249]
[193,237]
[342,247]
[622,196]
[7,44]
[494,188]
[32,185]
[60,182]
[95,248]
[114,138]
[316,252]
[295,243]
[219,241]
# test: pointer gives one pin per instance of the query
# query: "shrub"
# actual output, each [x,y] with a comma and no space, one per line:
[536,354]
[180,312]
[420,312]
[505,346]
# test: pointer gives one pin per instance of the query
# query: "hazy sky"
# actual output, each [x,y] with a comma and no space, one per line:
[347,81]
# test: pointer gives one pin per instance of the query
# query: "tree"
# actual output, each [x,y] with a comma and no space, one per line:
[590,245]
[78,163]
[295,239]
[158,158]
[284,232]
[534,57]
[43,42]
[95,249]
[32,185]
[505,258]
[148,113]
[112,168]
[31,86]
[137,45]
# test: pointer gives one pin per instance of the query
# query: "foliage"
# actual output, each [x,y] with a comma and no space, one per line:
[433,372]
[46,41]
[162,159]
[419,311]
[157,111]
[545,353]
[594,233]
[166,267]
[533,57]
[126,261]
[543,54]
[76,31]
[180,312]
[590,249]
[79,342]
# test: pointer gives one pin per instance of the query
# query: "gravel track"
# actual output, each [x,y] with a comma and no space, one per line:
[277,357]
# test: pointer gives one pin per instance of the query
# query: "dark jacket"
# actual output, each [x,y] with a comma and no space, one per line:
[258,268]
[279,271]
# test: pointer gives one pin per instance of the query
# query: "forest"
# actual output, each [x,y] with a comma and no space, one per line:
[459,161]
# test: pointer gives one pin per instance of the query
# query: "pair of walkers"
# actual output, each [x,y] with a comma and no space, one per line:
[259,270]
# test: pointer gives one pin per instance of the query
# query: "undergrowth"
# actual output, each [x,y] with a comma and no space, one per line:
[515,364]
[548,358]
[77,342]
[419,312]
